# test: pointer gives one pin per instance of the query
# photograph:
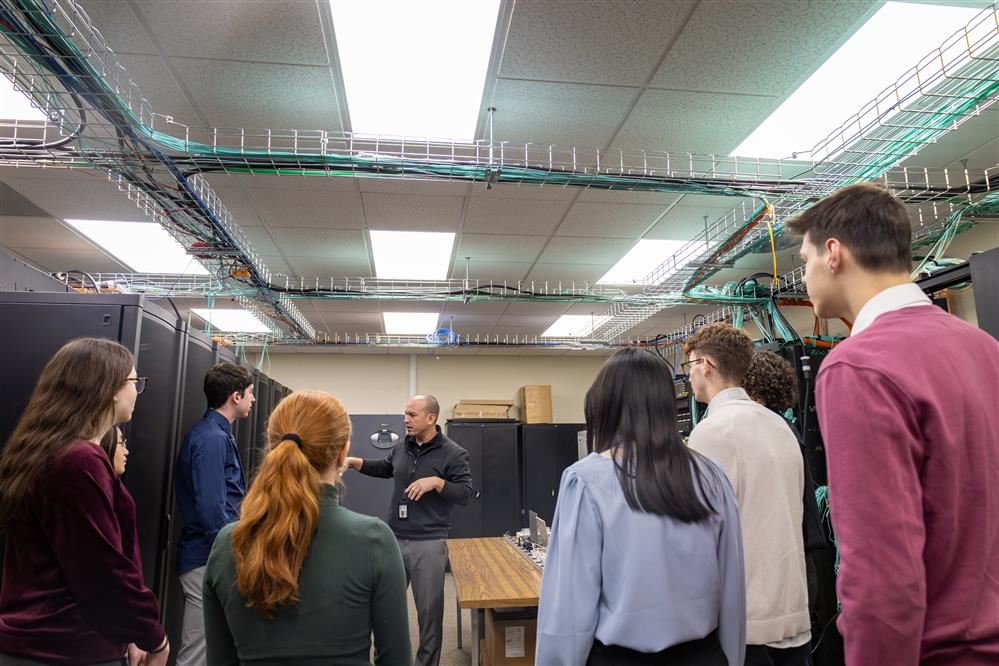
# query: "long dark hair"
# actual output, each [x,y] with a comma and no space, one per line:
[631,407]
[73,399]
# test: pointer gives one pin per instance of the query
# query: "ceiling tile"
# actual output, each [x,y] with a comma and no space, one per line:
[261,240]
[163,95]
[310,209]
[324,267]
[571,250]
[564,114]
[490,271]
[600,220]
[371,321]
[119,25]
[810,33]
[475,307]
[498,248]
[275,263]
[507,215]
[566,274]
[526,191]
[236,202]
[295,242]
[257,95]
[82,196]
[414,186]
[92,261]
[552,310]
[337,305]
[256,30]
[661,199]
[591,38]
[400,212]
[46,233]
[692,121]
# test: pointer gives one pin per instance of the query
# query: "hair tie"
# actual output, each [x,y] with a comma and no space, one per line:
[292,437]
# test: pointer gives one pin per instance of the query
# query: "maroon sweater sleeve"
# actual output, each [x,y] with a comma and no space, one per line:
[874,457]
[77,514]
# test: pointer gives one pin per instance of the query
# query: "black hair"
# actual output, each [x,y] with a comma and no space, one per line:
[631,406]
[223,380]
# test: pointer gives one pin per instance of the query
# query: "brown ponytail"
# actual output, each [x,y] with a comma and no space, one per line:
[281,509]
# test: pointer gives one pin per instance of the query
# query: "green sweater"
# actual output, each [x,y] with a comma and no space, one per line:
[352,584]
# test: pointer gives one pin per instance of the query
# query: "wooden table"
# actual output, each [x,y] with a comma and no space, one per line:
[490,573]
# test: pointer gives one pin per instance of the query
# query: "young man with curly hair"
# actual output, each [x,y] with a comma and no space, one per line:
[912,445]
[761,458]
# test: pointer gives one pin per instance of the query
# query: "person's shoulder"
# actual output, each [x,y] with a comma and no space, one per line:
[80,455]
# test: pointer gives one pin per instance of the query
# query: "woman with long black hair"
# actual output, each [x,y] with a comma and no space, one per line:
[644,562]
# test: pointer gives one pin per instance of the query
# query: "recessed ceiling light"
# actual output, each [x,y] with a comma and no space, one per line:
[645,257]
[411,255]
[145,247]
[875,57]
[410,323]
[232,321]
[15,105]
[575,326]
[414,69]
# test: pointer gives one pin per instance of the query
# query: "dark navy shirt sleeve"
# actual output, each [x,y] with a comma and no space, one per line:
[208,461]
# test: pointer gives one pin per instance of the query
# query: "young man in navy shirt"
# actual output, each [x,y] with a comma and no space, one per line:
[209,483]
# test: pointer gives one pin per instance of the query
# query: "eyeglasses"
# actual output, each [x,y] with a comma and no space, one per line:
[686,365]
[140,383]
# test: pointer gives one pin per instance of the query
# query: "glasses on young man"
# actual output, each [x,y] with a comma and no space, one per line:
[140,383]
[686,365]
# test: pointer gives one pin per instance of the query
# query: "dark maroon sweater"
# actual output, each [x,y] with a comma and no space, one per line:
[72,575]
[909,410]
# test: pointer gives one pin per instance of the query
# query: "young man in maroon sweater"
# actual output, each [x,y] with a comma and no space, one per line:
[909,413]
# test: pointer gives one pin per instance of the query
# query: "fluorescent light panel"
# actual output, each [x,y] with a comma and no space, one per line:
[645,257]
[145,247]
[575,326]
[232,321]
[410,323]
[411,255]
[15,105]
[895,38]
[414,69]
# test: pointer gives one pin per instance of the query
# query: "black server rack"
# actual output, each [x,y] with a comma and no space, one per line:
[493,457]
[366,494]
[261,415]
[548,449]
[244,432]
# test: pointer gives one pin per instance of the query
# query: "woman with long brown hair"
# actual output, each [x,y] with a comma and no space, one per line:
[72,588]
[299,578]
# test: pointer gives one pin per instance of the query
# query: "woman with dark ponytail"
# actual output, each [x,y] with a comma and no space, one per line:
[299,578]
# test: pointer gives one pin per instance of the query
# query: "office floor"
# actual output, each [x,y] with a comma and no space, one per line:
[450,654]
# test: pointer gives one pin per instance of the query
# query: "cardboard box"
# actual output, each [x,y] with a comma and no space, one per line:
[537,403]
[510,642]
[480,411]
[504,403]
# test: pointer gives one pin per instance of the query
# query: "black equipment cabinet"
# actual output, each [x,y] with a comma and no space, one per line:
[260,415]
[547,450]
[367,494]
[493,457]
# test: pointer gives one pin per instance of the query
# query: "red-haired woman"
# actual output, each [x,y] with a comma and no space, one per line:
[72,588]
[299,577]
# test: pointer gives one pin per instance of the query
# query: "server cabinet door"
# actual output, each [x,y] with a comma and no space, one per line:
[466,521]
[261,415]
[367,494]
[500,480]
[539,470]
[30,333]
[152,443]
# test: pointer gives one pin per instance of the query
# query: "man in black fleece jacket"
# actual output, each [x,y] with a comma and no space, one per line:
[431,475]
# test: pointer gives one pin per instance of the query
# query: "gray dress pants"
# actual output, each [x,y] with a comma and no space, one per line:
[192,641]
[424,562]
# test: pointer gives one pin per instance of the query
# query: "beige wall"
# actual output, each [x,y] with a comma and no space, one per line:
[379,384]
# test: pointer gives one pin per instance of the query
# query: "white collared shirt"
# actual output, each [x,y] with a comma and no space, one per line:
[893,298]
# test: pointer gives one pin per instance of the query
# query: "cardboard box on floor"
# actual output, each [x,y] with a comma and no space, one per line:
[483,409]
[537,403]
[509,642]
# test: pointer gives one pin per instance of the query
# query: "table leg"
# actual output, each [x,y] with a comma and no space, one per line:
[457,609]
[475,636]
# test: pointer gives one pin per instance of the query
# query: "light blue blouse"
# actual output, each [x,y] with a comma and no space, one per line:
[638,580]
